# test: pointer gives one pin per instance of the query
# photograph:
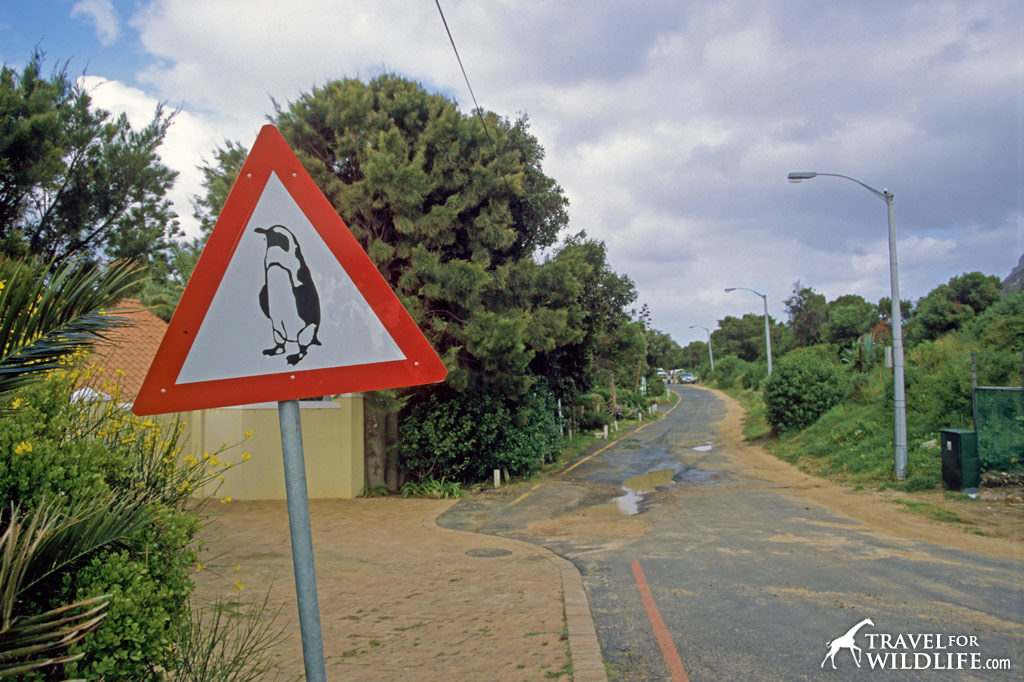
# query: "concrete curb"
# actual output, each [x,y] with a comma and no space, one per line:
[584,648]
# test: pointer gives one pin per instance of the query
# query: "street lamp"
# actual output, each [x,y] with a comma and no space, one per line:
[711,356]
[767,333]
[899,396]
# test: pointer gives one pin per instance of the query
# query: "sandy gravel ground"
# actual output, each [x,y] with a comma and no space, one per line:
[400,598]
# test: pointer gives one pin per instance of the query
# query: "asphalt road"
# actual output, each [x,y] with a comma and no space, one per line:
[695,569]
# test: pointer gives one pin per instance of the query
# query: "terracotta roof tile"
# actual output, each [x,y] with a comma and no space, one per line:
[130,348]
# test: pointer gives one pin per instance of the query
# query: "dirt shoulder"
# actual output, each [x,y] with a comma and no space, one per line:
[992,524]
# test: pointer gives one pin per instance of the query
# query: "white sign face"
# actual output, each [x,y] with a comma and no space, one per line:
[284,303]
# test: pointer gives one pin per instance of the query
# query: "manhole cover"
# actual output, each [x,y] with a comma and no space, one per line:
[488,552]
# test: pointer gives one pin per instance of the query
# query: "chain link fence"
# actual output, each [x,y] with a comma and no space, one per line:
[998,383]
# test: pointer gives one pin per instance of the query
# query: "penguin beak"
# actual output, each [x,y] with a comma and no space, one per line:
[261,230]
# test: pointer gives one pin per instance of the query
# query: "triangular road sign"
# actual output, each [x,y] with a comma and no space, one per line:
[283,304]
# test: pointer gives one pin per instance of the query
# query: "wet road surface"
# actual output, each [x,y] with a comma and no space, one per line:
[697,569]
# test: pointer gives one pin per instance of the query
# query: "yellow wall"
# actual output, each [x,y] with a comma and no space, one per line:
[332,439]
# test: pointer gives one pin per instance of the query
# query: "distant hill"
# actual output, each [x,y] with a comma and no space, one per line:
[1015,280]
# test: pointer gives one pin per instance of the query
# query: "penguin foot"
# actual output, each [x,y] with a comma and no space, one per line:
[295,357]
[276,350]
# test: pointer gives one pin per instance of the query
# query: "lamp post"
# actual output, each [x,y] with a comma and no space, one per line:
[767,332]
[899,395]
[711,356]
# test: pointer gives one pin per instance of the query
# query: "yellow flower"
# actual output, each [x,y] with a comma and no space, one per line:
[18,402]
[238,585]
[248,434]
[22,447]
[189,459]
[226,500]
[238,567]
[199,567]
[246,456]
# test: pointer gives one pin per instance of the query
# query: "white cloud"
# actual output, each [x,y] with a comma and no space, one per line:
[671,125]
[103,17]
[189,139]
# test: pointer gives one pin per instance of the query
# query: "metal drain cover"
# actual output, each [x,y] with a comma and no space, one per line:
[488,552]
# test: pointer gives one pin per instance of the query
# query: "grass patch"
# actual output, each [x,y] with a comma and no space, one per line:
[564,670]
[932,511]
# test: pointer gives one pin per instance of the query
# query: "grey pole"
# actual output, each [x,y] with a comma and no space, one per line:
[711,356]
[302,540]
[767,329]
[898,382]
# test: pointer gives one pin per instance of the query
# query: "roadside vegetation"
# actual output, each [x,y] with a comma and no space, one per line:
[828,406]
[545,345]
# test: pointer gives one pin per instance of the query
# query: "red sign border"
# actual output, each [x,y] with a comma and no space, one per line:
[160,393]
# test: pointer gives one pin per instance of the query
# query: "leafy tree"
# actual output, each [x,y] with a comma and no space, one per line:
[951,306]
[743,337]
[807,312]
[693,354]
[578,280]
[450,208]
[75,181]
[849,317]
[664,352]
[453,210]
[1001,326]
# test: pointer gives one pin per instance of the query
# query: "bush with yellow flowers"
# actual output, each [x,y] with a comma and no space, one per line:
[53,446]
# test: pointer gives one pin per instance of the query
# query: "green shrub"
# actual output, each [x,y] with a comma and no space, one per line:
[594,414]
[938,387]
[53,447]
[803,385]
[753,376]
[727,371]
[465,437]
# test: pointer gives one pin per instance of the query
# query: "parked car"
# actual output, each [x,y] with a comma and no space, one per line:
[687,378]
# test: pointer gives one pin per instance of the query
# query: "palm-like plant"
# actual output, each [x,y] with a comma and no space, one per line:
[35,548]
[50,310]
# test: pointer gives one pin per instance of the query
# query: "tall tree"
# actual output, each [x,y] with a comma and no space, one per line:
[807,312]
[849,317]
[75,181]
[448,206]
[952,305]
[743,337]
[663,351]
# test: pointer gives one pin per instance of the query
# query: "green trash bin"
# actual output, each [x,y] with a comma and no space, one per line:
[960,466]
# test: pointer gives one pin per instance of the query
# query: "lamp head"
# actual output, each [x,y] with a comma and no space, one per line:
[797,176]
[730,289]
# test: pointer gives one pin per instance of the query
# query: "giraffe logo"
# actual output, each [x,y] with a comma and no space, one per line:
[846,641]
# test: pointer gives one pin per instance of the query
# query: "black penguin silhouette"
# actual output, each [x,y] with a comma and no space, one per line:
[288,297]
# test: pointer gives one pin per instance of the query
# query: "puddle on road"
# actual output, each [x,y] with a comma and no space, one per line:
[636,488]
[707,446]
[648,482]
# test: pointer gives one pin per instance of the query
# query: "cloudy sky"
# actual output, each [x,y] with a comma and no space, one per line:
[671,125]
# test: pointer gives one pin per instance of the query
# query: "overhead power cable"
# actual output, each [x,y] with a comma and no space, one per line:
[476,105]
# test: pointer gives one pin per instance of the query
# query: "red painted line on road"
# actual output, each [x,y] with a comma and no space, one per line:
[661,633]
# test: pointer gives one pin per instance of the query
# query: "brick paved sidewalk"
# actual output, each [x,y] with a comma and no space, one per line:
[401,599]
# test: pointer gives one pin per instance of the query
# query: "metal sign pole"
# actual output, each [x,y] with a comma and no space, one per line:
[302,540]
